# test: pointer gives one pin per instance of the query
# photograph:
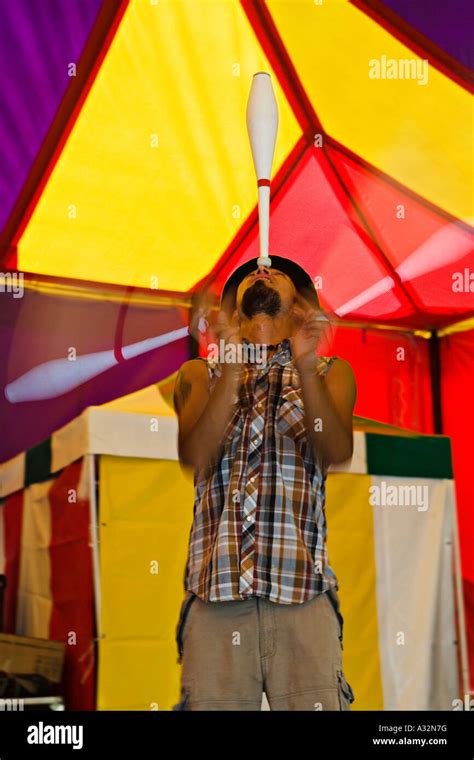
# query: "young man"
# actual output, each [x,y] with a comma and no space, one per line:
[261,611]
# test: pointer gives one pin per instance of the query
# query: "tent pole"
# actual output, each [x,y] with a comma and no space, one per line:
[435,367]
[94,540]
[459,591]
[435,375]
[193,347]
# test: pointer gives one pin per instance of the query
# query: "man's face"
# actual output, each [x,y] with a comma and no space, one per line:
[265,291]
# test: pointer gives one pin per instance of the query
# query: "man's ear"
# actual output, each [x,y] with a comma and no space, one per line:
[311,298]
[297,314]
[300,304]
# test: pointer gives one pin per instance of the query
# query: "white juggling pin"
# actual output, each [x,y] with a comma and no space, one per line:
[262,126]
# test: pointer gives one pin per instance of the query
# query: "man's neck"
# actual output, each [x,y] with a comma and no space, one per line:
[265,330]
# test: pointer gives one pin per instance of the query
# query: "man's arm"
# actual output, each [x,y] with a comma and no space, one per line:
[203,417]
[329,404]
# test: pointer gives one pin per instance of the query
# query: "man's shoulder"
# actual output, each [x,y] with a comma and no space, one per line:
[340,364]
[194,367]
[341,371]
[191,374]
[192,371]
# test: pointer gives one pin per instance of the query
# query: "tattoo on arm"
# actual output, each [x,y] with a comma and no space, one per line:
[181,393]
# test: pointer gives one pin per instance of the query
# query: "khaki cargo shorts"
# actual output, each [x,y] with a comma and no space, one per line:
[232,652]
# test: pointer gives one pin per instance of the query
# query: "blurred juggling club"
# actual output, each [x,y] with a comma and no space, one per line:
[58,376]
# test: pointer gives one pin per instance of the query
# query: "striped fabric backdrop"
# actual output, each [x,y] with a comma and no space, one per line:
[46,556]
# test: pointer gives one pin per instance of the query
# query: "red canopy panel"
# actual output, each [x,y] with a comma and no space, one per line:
[311,223]
[426,247]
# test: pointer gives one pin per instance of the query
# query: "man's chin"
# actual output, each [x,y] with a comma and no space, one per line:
[261,298]
[271,309]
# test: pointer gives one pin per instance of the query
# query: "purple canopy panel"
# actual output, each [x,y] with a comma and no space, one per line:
[38,40]
[447,24]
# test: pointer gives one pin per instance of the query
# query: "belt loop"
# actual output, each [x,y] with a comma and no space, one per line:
[334,599]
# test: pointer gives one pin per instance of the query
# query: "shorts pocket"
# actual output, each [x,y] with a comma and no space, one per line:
[185,607]
[346,695]
[183,704]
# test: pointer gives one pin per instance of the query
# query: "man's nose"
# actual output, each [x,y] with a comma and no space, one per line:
[261,269]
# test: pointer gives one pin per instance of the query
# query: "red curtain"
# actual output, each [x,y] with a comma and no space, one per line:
[72,587]
[392,373]
[457,383]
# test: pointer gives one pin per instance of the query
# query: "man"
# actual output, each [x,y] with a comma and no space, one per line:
[261,611]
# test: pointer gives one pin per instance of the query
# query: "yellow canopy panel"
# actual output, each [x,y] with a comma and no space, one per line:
[354,73]
[157,176]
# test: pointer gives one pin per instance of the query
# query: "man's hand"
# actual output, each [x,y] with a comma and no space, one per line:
[328,401]
[310,327]
[228,330]
[203,416]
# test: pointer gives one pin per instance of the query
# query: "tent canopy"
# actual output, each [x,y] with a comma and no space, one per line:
[127,160]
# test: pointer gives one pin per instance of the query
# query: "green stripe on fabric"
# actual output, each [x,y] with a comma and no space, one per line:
[38,463]
[367,424]
[425,456]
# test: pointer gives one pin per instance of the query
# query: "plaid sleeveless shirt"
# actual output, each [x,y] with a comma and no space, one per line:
[259,526]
